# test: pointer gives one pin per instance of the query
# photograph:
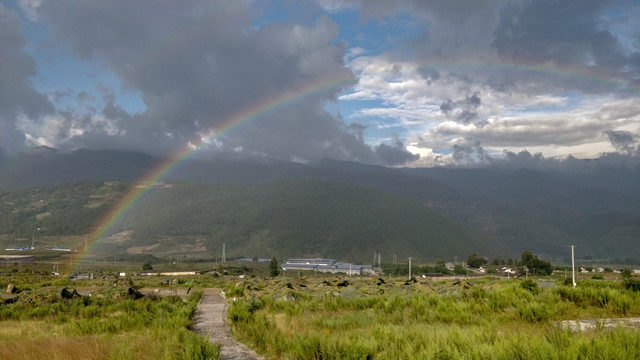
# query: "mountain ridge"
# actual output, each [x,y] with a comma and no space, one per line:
[527,209]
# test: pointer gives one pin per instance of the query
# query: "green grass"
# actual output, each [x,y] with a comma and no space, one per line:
[109,324]
[484,319]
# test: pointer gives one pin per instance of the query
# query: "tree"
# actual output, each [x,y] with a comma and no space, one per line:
[147,266]
[536,265]
[274,269]
[475,261]
[459,270]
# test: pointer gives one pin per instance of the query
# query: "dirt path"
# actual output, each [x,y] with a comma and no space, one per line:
[211,321]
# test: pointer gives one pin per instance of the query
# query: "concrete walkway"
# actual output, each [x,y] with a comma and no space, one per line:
[211,320]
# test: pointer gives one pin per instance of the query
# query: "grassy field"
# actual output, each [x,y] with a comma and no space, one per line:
[446,319]
[312,316]
[98,319]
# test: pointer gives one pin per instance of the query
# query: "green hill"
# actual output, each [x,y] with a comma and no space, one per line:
[303,218]
[295,218]
[67,209]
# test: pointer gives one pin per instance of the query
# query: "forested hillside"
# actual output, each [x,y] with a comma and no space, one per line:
[67,209]
[282,218]
[303,218]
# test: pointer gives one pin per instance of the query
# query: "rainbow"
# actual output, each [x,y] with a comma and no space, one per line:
[250,114]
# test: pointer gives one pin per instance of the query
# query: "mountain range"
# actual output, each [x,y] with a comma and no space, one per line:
[510,209]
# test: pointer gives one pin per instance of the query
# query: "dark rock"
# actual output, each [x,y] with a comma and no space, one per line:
[134,293]
[69,293]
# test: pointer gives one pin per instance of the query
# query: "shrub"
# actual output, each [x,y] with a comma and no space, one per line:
[531,286]
[632,284]
[534,312]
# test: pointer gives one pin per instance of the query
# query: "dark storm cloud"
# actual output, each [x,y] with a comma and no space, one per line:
[447,106]
[523,159]
[463,110]
[623,141]
[199,64]
[396,154]
[566,33]
[469,153]
[430,74]
[578,37]
[358,130]
[18,96]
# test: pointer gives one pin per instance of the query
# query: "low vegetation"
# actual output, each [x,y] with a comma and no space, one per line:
[315,318]
[114,321]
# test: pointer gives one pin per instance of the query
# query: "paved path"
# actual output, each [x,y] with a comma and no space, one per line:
[211,321]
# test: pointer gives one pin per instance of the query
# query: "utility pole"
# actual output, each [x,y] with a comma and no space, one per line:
[379,261]
[409,268]
[573,267]
[224,257]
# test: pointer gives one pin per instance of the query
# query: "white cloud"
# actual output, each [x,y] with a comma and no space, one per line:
[338,6]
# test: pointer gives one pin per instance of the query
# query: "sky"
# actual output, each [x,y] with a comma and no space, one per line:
[396,83]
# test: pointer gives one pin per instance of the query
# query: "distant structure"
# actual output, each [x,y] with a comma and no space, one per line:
[327,266]
[20,248]
[169,272]
[16,259]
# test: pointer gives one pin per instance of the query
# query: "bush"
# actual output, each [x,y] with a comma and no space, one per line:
[531,286]
[534,312]
[459,270]
[632,284]
[198,347]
